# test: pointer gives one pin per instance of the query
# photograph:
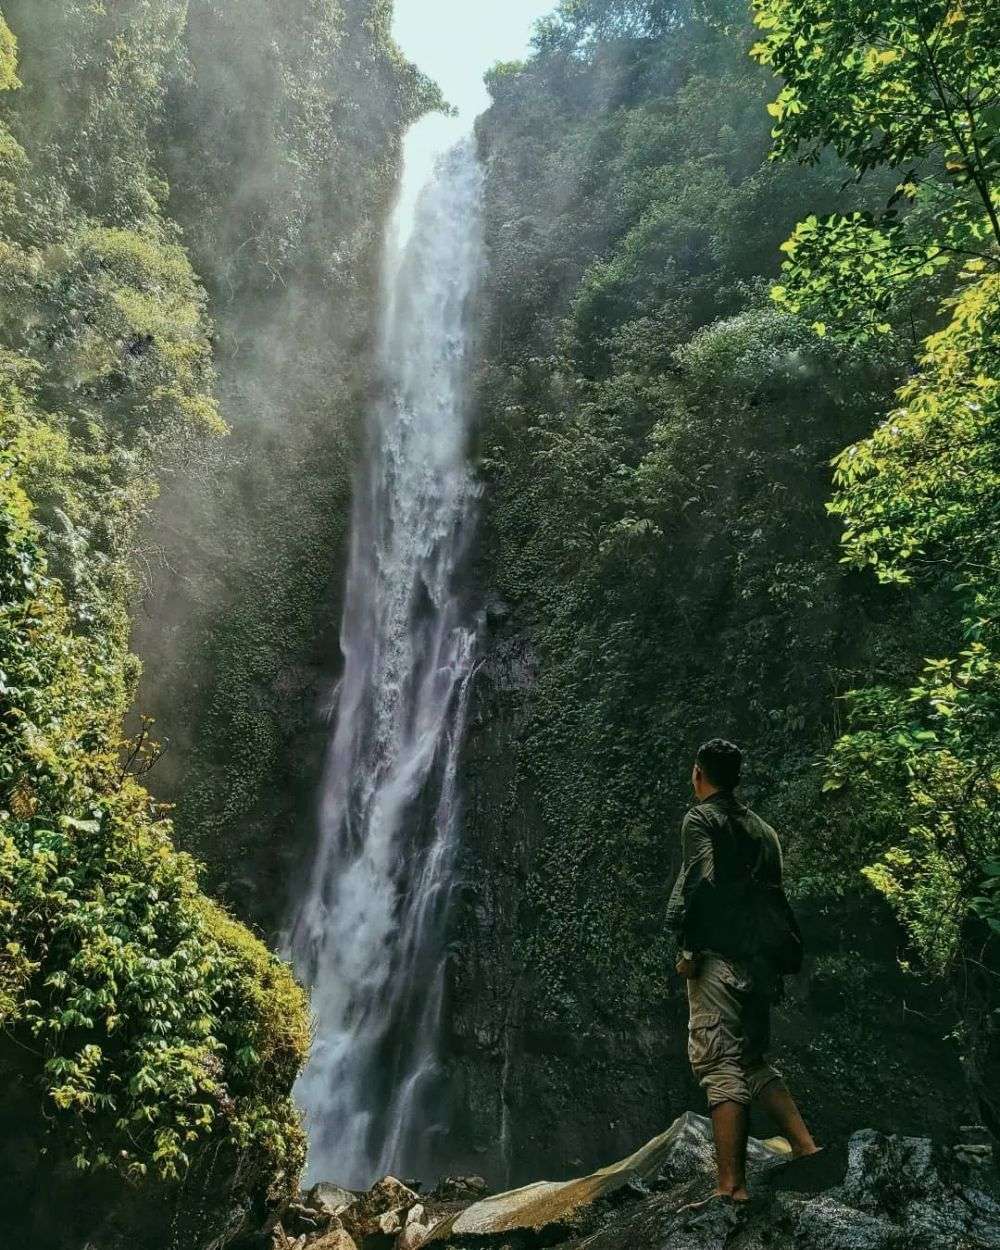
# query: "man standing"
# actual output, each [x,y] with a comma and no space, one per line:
[737,937]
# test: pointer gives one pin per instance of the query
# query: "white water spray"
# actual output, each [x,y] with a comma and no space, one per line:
[369,933]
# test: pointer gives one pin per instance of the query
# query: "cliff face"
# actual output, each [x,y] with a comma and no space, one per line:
[149,1042]
[655,442]
[546,1086]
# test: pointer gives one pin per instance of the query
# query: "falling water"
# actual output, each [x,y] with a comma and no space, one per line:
[368,936]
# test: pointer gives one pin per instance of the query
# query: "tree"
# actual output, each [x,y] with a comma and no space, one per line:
[916,87]
[579,21]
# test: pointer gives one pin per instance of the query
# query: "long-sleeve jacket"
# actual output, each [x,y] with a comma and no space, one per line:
[728,897]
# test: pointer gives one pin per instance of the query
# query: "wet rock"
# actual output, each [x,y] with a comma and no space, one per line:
[548,1206]
[391,1222]
[497,611]
[824,1223]
[282,1240]
[328,1198]
[935,1203]
[381,1211]
[691,1153]
[877,1193]
[413,1237]
[419,1226]
[335,1239]
[299,1218]
[389,1194]
[460,1189]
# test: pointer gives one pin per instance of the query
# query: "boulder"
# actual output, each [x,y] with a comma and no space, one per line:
[878,1193]
[413,1237]
[381,1210]
[546,1206]
[335,1239]
[298,1218]
[417,1230]
[928,1196]
[328,1198]
[391,1222]
[460,1189]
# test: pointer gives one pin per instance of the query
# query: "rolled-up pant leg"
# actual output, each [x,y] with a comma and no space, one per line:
[728,1034]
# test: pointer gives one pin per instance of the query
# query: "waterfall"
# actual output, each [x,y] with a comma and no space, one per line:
[369,931]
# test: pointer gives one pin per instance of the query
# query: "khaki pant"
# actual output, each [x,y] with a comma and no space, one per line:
[729,1032]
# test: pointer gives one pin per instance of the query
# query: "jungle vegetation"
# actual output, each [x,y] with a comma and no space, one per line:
[144,1032]
[738,439]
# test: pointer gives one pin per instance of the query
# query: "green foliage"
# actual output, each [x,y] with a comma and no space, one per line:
[657,447]
[8,58]
[151,1013]
[885,83]
[155,1026]
[633,437]
[596,23]
[936,747]
[886,86]
[916,85]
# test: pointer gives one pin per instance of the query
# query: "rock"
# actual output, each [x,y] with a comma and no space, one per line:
[544,1207]
[380,1211]
[417,1229]
[302,1219]
[823,1223]
[878,1193]
[460,1189]
[335,1239]
[388,1194]
[497,611]
[413,1237]
[328,1198]
[391,1222]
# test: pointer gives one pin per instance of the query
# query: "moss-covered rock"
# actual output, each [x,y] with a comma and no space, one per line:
[149,1042]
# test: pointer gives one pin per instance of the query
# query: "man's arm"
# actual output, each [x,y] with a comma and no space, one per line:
[698,866]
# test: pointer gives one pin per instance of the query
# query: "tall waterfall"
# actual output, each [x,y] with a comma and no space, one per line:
[368,936]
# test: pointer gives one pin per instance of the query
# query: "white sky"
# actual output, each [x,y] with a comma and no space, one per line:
[456,41]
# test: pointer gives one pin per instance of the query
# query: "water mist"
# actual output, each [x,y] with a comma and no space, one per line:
[369,933]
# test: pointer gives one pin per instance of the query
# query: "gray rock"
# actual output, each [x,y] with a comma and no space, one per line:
[335,1239]
[546,1206]
[460,1189]
[823,1223]
[328,1198]
[881,1193]
[381,1211]
[911,1182]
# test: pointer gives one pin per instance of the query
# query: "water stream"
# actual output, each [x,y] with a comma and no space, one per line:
[369,932]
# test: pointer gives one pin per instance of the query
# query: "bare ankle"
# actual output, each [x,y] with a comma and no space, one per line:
[738,1193]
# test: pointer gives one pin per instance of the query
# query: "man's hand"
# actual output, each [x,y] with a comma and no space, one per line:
[687,967]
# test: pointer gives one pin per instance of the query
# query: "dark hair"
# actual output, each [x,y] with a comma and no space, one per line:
[721,762]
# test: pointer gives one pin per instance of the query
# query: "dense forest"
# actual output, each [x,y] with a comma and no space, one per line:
[702,520]
[146,1032]
[735,414]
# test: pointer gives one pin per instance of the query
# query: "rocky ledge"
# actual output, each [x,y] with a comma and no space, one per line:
[877,1193]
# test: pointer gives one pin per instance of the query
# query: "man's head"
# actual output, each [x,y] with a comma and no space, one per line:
[717,766]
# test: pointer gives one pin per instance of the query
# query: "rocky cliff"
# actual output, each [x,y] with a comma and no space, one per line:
[659,567]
